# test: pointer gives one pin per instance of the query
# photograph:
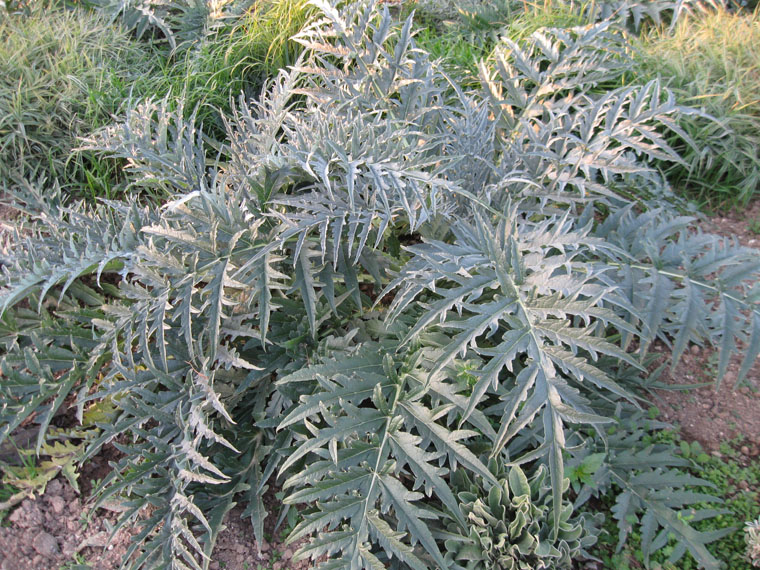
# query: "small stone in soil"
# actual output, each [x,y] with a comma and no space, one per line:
[58,504]
[45,544]
[16,515]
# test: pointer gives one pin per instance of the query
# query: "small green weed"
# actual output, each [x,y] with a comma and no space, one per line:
[78,562]
[7,492]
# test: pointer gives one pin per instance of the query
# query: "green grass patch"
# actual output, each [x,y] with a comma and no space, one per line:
[712,62]
[461,42]
[63,72]
[539,15]
[235,59]
[457,53]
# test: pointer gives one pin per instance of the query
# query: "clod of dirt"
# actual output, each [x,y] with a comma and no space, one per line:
[45,544]
[57,504]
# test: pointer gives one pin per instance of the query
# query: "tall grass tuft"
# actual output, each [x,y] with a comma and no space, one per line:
[546,14]
[62,74]
[235,59]
[713,62]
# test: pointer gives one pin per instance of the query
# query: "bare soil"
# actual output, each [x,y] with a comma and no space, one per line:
[236,549]
[60,530]
[730,412]
[709,415]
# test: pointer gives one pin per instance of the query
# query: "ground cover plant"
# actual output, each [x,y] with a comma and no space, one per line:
[423,311]
[731,475]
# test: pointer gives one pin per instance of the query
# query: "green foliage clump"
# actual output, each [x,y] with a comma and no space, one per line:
[63,73]
[462,43]
[658,504]
[457,53]
[375,279]
[510,524]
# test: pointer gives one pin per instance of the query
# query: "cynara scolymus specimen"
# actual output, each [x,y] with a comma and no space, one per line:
[266,324]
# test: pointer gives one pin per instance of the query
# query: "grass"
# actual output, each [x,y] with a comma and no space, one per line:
[235,59]
[62,74]
[712,62]
[457,54]
[7,492]
[462,42]
[547,14]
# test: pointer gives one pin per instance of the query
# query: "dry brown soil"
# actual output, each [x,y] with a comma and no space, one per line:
[707,414]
